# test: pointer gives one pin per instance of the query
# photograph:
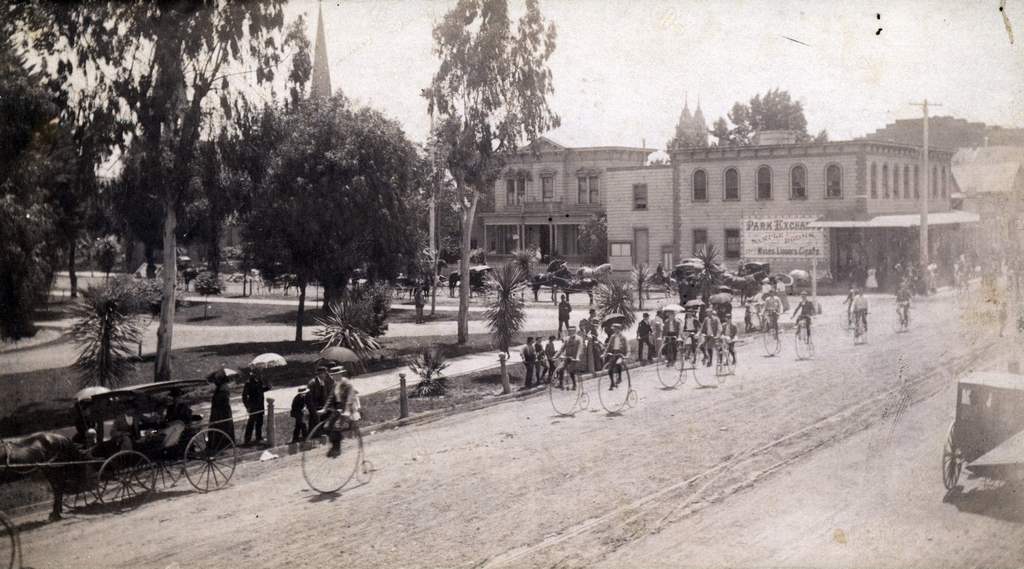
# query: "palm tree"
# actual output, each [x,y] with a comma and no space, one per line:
[506,314]
[107,325]
[350,323]
[523,258]
[615,297]
[642,278]
[710,276]
[428,365]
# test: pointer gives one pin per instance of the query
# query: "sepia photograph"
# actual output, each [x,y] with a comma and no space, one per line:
[511,284]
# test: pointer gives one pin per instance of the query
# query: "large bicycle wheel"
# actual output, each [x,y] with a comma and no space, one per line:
[10,546]
[330,459]
[565,400]
[126,479]
[210,459]
[771,341]
[803,345]
[670,374]
[613,400]
[859,333]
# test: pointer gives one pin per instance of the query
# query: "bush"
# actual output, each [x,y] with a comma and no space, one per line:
[149,293]
[351,323]
[428,365]
[107,328]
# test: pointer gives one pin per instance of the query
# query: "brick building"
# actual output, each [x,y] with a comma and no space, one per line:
[863,196]
[547,192]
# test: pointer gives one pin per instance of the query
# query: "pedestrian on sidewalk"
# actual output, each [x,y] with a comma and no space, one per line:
[255,404]
[542,362]
[643,338]
[549,355]
[529,361]
[418,301]
[220,408]
[300,431]
[564,311]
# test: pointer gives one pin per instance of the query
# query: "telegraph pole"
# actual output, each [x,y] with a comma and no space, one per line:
[923,239]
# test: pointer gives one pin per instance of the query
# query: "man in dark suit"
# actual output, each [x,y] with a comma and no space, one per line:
[300,431]
[255,405]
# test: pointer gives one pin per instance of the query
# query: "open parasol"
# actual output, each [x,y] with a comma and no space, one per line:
[694,303]
[264,361]
[673,308]
[223,374]
[721,298]
[339,354]
[88,392]
[613,319]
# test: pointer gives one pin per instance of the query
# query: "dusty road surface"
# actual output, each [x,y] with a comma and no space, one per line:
[672,479]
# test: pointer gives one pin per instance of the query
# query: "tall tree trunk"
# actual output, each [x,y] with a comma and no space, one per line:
[72,275]
[164,334]
[213,250]
[129,249]
[302,309]
[467,228]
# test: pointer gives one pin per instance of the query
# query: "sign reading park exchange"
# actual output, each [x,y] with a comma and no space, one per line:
[783,237]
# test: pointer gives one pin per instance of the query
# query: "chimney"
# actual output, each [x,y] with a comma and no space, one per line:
[774,137]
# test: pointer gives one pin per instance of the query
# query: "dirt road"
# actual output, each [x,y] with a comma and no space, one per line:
[515,485]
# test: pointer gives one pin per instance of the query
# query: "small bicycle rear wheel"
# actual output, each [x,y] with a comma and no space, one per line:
[329,463]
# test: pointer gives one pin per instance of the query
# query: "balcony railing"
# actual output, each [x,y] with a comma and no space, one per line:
[548,206]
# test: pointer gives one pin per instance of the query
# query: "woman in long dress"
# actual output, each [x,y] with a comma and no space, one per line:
[872,281]
[220,408]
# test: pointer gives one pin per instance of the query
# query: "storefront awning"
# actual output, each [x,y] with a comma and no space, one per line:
[904,220]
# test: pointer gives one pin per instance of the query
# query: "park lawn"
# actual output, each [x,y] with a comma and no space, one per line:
[41,399]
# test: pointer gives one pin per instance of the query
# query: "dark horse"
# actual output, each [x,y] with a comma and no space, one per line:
[24,456]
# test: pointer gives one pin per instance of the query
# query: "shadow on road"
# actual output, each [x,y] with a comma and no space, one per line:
[1001,501]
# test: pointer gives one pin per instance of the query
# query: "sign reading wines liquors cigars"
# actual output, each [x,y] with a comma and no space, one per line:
[783,238]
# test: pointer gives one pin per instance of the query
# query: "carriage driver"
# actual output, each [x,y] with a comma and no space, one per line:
[340,405]
[177,419]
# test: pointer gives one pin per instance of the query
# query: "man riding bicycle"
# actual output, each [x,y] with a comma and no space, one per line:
[691,329]
[570,354]
[849,305]
[671,330]
[711,330]
[860,309]
[615,355]
[903,303]
[772,310]
[340,406]
[803,313]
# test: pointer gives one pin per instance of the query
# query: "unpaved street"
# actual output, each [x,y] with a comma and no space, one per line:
[514,485]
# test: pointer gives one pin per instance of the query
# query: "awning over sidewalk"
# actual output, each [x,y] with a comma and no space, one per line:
[904,220]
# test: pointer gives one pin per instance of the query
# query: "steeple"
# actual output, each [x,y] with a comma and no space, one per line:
[698,116]
[321,83]
[685,116]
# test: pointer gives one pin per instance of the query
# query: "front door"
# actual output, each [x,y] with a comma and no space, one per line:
[641,249]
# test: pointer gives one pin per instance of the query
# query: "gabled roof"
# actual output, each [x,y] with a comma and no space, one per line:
[989,169]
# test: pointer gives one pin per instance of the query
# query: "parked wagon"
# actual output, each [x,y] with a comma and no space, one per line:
[161,443]
[987,434]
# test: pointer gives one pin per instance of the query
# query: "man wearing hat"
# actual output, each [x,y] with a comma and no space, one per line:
[671,336]
[300,430]
[319,388]
[341,405]
[255,405]
[616,355]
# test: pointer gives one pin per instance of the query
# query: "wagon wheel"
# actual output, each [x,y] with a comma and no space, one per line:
[82,491]
[952,461]
[126,478]
[168,473]
[210,459]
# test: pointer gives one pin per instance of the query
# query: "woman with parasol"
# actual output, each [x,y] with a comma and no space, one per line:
[220,406]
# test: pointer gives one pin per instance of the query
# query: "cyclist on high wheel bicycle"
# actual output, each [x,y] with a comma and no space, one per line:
[671,330]
[803,313]
[860,311]
[849,306]
[691,330]
[772,309]
[616,354]
[341,408]
[902,304]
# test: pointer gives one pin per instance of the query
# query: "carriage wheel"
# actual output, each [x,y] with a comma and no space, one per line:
[85,491]
[952,461]
[328,472]
[210,459]
[126,478]
[168,474]
[10,547]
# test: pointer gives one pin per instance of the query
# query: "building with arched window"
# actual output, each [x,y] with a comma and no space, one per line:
[848,191]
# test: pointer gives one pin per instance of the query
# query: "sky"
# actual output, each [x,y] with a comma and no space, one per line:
[623,69]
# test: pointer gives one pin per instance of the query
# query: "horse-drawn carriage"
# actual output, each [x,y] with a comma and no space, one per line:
[153,442]
[560,279]
[987,434]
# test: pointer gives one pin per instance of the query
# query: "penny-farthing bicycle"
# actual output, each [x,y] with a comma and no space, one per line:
[725,366]
[802,341]
[673,372]
[770,339]
[333,456]
[902,320]
[623,395]
[566,400]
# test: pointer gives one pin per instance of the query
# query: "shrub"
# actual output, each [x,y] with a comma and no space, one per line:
[350,323]
[107,328]
[506,314]
[428,365]
[615,297]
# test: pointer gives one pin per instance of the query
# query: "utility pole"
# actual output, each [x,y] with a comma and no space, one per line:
[927,188]
[428,93]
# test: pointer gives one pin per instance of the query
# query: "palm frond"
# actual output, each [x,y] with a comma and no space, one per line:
[642,279]
[347,324]
[711,275]
[106,329]
[615,297]
[524,258]
[428,365]
[506,313]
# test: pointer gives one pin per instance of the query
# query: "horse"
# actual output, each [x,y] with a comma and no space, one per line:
[23,456]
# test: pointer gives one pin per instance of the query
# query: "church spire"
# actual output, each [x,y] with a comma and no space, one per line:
[685,116]
[321,85]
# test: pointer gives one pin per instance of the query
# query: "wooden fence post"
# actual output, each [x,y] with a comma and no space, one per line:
[505,387]
[403,398]
[271,438]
